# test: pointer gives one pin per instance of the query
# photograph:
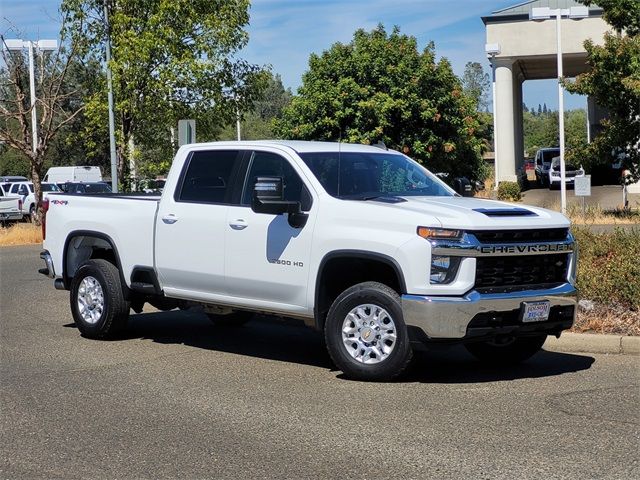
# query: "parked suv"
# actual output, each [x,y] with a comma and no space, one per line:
[542,161]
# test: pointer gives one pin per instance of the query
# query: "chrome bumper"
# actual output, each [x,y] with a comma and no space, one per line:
[448,317]
[49,270]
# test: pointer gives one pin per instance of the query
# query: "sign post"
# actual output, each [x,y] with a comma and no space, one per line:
[186,132]
[582,188]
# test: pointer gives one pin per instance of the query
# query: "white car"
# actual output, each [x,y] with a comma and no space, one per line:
[570,173]
[361,243]
[24,191]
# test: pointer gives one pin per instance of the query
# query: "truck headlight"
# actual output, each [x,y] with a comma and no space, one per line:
[443,269]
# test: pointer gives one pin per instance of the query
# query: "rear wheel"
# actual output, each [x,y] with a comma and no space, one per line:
[97,300]
[506,350]
[365,333]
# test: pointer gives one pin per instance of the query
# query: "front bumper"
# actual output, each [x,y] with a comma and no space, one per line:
[440,317]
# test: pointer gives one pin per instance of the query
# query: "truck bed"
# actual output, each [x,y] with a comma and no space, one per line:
[127,219]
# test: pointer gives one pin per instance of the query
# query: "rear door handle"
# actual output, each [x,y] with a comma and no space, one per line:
[170,219]
[239,224]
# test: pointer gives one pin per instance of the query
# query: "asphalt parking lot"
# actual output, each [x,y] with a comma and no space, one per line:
[179,398]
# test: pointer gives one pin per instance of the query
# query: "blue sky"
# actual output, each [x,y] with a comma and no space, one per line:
[284,32]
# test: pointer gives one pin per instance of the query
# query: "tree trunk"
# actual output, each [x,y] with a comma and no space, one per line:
[36,172]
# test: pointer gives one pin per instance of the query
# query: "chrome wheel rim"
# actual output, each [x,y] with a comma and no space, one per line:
[90,300]
[369,334]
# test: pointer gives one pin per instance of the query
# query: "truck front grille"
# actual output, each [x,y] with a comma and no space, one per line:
[532,235]
[521,271]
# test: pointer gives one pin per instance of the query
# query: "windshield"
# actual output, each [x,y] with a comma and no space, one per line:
[364,175]
[547,155]
[50,187]
[96,188]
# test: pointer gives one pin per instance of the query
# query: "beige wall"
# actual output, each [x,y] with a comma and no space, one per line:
[526,38]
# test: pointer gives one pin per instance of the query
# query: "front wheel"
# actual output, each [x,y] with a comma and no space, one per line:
[365,333]
[507,350]
[97,300]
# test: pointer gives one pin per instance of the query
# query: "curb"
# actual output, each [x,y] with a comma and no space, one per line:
[593,343]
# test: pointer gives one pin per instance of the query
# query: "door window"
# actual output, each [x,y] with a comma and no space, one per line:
[267,164]
[209,177]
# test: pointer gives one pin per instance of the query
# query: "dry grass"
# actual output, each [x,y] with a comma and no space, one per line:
[608,319]
[596,215]
[20,234]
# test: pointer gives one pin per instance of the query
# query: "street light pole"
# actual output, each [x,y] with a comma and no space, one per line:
[32,88]
[41,45]
[546,13]
[563,185]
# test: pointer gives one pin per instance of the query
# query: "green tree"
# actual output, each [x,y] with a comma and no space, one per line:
[170,60]
[379,87]
[258,123]
[541,130]
[614,83]
[475,83]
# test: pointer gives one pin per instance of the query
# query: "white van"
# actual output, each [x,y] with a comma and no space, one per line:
[73,174]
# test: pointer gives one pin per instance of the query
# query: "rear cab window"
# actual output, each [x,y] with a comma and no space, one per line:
[209,176]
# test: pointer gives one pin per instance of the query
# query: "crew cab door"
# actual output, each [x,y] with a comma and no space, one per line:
[267,259]
[191,224]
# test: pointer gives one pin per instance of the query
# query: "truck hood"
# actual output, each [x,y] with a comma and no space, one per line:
[479,214]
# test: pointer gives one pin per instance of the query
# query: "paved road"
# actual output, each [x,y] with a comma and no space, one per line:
[178,398]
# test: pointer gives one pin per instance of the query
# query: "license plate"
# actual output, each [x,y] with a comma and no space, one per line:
[536,311]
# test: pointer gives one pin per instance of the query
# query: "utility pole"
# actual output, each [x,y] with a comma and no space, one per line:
[112,127]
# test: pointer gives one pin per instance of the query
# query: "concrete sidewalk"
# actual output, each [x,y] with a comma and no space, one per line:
[607,197]
[593,343]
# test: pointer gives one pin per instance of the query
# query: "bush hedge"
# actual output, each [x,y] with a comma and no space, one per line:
[609,266]
[509,191]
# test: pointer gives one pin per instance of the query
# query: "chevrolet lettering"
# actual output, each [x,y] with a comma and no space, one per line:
[526,249]
[358,242]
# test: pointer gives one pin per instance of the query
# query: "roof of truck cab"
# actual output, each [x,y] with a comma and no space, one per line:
[301,146]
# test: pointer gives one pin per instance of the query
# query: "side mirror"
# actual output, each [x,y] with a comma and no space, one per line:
[268,197]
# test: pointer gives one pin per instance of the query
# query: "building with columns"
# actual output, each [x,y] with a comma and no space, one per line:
[522,49]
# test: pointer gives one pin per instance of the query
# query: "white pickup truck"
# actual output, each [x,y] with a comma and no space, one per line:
[10,207]
[360,243]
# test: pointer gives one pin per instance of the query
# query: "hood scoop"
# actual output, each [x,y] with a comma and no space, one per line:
[506,212]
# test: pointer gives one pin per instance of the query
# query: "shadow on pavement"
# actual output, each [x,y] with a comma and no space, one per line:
[289,341]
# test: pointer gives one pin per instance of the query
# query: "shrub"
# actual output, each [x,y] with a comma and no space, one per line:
[509,191]
[609,267]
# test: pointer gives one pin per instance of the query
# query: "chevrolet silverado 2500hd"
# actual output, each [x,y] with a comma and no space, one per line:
[361,243]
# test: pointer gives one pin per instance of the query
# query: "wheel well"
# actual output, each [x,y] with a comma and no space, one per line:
[341,272]
[82,247]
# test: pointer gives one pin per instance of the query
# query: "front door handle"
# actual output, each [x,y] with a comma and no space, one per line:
[170,219]
[239,224]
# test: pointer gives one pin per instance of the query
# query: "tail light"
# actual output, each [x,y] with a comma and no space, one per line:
[44,208]
[20,204]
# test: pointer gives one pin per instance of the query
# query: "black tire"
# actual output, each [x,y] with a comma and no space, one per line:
[235,319]
[510,351]
[32,214]
[115,311]
[380,295]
